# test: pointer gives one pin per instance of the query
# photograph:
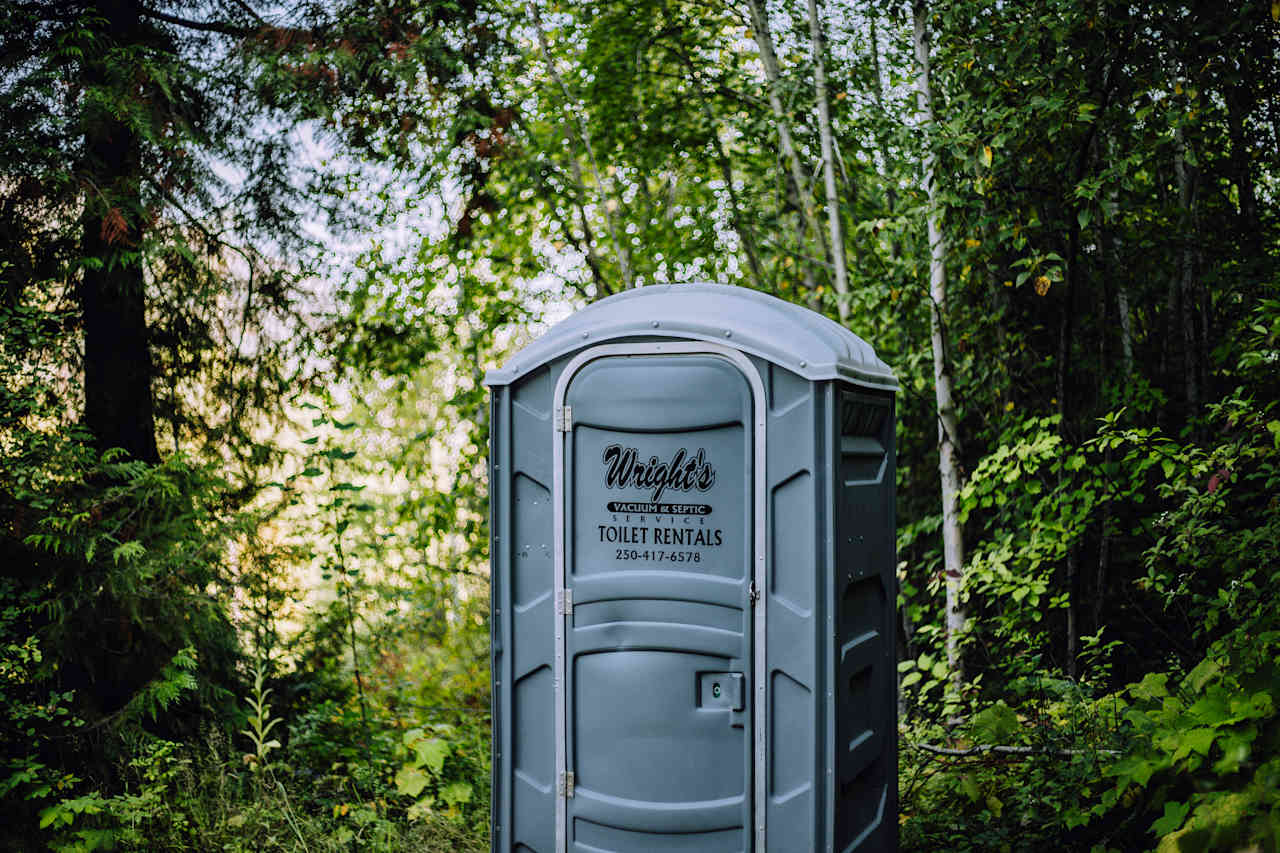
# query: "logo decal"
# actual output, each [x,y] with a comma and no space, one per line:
[683,473]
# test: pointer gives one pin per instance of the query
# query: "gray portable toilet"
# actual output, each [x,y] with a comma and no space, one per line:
[692,539]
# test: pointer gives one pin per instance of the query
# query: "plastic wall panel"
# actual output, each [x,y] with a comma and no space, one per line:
[793,490]
[523,616]
[863,591]
[500,615]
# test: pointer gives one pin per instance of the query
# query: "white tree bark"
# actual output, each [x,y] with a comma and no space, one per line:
[948,430]
[769,58]
[828,165]
[1126,323]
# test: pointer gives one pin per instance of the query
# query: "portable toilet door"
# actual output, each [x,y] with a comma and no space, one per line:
[658,479]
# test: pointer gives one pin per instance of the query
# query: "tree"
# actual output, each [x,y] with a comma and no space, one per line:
[835,219]
[160,142]
[948,424]
[155,265]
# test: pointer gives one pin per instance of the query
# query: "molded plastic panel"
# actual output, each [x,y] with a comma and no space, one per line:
[521,585]
[864,587]
[797,519]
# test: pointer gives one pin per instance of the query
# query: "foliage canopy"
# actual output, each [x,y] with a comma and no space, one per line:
[255,257]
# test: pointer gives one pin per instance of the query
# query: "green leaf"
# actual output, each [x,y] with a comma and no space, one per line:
[1143,770]
[1174,814]
[996,724]
[1194,740]
[431,753]
[410,781]
[1152,686]
[995,804]
[456,793]
[127,551]
[1235,752]
[1203,672]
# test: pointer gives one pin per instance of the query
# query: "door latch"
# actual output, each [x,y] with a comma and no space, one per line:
[753,593]
[721,691]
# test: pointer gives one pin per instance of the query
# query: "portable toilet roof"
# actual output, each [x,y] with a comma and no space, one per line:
[756,323]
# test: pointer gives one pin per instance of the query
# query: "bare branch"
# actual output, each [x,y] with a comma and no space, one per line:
[987,748]
[203,26]
[615,236]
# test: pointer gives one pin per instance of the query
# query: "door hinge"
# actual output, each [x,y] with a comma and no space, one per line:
[566,784]
[753,593]
[564,603]
[564,419]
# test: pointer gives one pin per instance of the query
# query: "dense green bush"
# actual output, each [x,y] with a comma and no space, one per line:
[1186,759]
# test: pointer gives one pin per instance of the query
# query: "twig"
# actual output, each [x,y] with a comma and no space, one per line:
[1006,750]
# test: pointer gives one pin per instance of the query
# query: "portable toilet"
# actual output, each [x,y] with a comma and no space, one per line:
[692,539]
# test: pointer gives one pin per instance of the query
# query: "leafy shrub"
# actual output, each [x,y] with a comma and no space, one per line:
[1201,770]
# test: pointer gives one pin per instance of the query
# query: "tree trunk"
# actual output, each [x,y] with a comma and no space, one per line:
[1113,271]
[118,406]
[828,166]
[1073,631]
[1065,338]
[799,182]
[1104,560]
[1237,107]
[948,428]
[1122,307]
[890,194]
[1116,269]
[1187,301]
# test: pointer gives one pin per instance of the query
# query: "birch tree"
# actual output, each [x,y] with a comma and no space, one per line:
[796,171]
[834,221]
[948,429]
